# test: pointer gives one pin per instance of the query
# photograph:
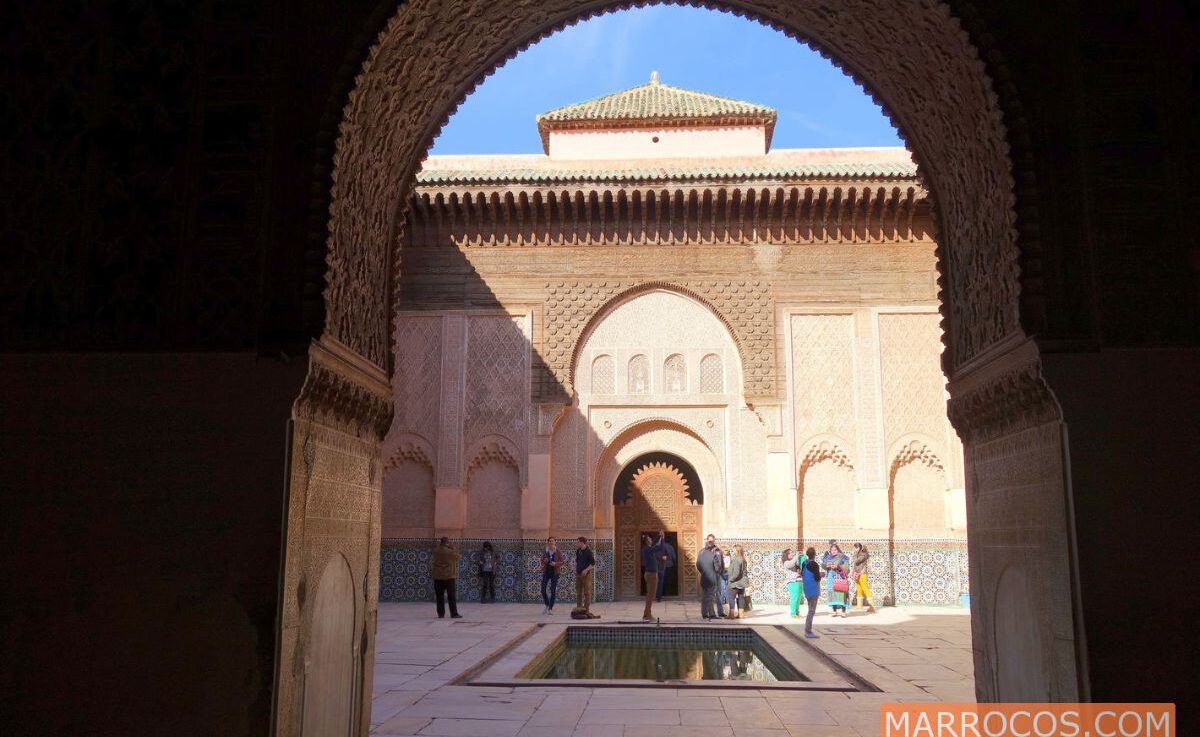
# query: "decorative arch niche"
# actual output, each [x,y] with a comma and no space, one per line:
[916,492]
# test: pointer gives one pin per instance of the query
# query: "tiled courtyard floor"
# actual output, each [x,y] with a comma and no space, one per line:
[911,653]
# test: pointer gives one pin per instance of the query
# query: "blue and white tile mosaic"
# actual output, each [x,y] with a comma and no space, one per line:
[404,570]
[925,572]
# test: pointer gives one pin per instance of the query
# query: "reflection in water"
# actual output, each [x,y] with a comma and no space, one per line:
[689,663]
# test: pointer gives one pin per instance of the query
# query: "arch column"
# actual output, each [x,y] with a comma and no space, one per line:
[333,511]
[1020,525]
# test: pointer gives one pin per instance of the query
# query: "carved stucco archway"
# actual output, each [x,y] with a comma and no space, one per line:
[575,341]
[650,435]
[913,57]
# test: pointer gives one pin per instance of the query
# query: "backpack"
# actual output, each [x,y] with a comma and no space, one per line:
[812,581]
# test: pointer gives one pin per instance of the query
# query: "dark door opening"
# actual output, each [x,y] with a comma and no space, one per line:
[671,587]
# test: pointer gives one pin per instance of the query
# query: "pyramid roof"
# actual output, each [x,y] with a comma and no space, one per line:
[655,104]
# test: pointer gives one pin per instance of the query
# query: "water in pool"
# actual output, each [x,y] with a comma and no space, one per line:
[688,658]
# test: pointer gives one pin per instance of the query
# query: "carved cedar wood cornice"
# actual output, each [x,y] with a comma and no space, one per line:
[1003,395]
[344,390]
[748,213]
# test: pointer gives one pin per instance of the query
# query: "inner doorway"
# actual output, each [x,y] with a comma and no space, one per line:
[658,491]
[671,585]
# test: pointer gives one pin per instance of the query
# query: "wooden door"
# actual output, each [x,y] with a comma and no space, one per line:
[657,500]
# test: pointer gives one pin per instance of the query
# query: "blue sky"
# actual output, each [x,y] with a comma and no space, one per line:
[699,49]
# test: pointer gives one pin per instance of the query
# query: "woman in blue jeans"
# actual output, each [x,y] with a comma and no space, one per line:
[552,559]
[811,573]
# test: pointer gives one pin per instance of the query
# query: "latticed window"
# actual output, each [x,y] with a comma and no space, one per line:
[639,374]
[604,375]
[675,374]
[712,380]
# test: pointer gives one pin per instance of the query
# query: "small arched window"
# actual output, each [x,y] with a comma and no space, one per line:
[712,380]
[604,375]
[675,374]
[639,375]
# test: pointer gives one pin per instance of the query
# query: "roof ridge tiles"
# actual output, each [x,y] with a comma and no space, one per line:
[655,101]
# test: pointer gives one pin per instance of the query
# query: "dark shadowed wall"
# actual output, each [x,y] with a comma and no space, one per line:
[165,199]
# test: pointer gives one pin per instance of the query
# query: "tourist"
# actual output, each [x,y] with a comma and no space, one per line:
[650,563]
[585,563]
[708,562]
[791,574]
[667,559]
[719,591]
[739,576]
[858,575]
[837,571]
[487,560]
[723,582]
[552,560]
[445,571]
[812,588]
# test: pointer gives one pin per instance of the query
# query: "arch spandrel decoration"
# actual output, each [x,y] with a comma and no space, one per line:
[744,307]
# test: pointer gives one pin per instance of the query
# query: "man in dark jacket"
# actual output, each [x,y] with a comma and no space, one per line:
[709,565]
[667,559]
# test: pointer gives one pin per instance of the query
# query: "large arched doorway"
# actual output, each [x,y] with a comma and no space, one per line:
[658,492]
[431,55]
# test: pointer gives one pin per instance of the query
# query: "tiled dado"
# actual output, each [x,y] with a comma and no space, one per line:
[925,572]
[404,569]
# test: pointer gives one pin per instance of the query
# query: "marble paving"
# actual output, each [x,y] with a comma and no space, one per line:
[911,653]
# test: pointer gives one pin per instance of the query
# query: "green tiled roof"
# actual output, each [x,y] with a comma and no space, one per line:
[657,101]
[654,103]
[671,173]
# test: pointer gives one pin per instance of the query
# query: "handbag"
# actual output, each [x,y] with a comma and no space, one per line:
[842,585]
[746,602]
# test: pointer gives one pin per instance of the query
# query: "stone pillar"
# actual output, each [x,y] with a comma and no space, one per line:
[1023,567]
[871,501]
[535,502]
[450,510]
[330,585]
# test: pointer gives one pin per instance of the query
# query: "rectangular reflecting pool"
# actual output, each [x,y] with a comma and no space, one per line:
[662,654]
[677,656]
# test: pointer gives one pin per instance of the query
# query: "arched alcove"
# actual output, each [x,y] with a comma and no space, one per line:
[331,671]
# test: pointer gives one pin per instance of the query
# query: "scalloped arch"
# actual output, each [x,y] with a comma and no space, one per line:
[822,449]
[408,447]
[914,451]
[495,448]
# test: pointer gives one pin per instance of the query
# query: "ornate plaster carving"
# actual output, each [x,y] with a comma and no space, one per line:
[1003,396]
[915,451]
[493,448]
[744,306]
[408,447]
[345,392]
[823,450]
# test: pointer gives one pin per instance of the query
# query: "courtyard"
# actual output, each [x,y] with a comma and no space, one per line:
[422,664]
